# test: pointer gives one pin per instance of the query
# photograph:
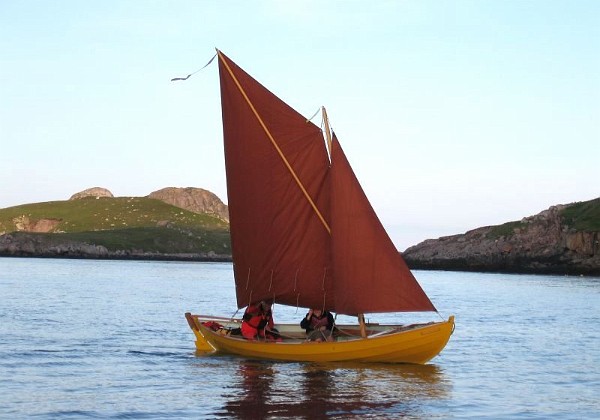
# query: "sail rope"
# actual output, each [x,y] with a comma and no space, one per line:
[338,330]
[234,314]
[323,125]
[175,79]
[324,128]
[248,279]
[313,116]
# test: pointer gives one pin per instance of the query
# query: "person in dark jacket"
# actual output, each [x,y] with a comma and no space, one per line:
[318,325]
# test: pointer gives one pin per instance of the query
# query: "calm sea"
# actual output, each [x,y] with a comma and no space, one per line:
[108,339]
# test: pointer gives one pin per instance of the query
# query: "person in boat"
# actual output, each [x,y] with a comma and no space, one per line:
[257,322]
[318,325]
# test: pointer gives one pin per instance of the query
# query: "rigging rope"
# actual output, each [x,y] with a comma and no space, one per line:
[314,115]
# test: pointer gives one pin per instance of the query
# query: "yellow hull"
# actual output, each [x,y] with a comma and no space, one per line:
[418,344]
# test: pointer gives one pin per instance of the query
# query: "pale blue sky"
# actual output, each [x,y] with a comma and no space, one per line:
[454,114]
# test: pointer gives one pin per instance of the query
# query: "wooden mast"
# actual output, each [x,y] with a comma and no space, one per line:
[361,317]
[363,328]
[327,130]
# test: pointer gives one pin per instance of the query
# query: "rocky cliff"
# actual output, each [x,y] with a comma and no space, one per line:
[549,242]
[193,199]
[196,200]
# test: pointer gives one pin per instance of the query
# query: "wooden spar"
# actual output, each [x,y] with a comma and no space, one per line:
[361,317]
[274,143]
[327,130]
[363,328]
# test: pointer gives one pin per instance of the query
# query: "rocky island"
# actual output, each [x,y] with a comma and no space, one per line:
[168,224]
[563,239]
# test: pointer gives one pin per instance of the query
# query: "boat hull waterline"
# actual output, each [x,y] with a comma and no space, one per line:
[418,345]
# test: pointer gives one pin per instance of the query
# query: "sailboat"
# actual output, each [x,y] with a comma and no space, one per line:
[303,234]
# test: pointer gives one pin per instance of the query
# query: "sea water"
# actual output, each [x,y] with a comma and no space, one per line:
[108,339]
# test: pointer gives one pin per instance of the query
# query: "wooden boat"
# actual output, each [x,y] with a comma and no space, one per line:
[304,234]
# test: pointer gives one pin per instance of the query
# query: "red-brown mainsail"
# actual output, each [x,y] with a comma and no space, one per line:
[303,232]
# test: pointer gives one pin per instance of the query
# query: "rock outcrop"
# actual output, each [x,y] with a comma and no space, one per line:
[196,200]
[92,192]
[543,243]
[25,224]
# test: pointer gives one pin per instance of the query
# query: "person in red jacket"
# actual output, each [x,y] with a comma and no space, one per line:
[257,322]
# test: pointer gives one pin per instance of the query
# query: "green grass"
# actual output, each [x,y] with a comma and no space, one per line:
[91,214]
[583,216]
[505,229]
[126,223]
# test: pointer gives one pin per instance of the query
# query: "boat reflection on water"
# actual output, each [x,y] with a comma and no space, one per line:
[266,389]
[252,390]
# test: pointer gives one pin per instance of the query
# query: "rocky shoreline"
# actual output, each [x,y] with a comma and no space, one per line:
[540,244]
[550,242]
[36,246]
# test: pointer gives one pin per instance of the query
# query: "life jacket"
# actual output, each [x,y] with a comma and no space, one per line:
[316,323]
[255,320]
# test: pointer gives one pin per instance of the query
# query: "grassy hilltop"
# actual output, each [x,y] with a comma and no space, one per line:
[123,224]
[582,216]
